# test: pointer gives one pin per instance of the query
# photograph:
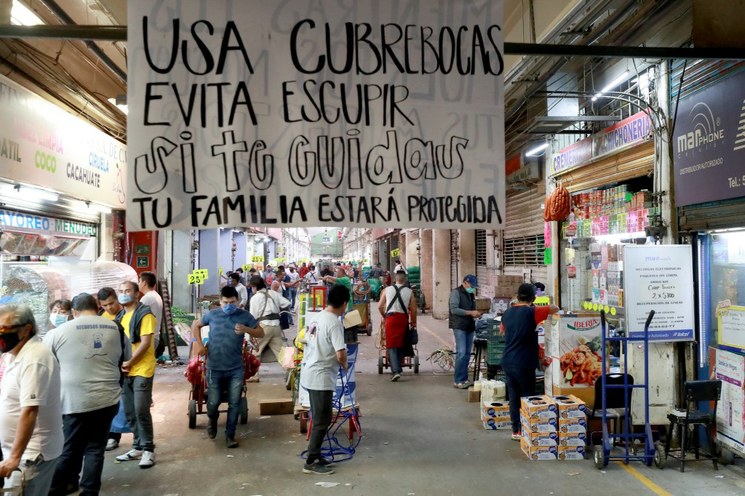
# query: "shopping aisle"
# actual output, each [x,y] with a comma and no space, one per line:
[421,437]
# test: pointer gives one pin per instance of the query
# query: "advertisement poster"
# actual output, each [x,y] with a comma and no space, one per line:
[322,113]
[659,278]
[730,368]
[709,143]
[731,322]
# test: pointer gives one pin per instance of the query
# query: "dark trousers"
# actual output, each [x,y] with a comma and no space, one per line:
[520,382]
[137,393]
[85,443]
[320,412]
[217,382]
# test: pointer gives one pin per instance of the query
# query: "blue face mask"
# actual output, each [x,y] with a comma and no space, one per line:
[471,290]
[230,308]
[57,319]
[124,298]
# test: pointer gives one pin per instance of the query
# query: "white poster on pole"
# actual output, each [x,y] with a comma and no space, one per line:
[730,368]
[659,278]
[358,113]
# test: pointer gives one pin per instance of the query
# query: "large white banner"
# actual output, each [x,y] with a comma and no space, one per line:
[356,113]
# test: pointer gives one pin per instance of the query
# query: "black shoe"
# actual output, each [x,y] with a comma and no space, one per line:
[324,462]
[72,488]
[230,442]
[212,430]
[317,468]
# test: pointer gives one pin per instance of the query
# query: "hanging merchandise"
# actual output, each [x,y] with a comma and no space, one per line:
[558,205]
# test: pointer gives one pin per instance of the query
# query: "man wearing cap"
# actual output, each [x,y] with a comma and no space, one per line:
[462,312]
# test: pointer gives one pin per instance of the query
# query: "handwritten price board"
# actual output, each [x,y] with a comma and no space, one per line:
[198,276]
[732,326]
[659,278]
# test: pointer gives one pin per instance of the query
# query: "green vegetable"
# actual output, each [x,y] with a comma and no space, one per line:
[569,375]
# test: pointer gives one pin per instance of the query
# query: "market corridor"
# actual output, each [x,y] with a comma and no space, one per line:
[421,437]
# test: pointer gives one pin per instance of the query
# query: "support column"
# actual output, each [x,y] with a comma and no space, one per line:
[209,254]
[427,265]
[467,260]
[412,243]
[441,273]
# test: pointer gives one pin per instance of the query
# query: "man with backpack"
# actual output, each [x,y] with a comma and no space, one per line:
[397,305]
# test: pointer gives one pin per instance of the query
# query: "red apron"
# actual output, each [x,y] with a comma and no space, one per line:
[395,329]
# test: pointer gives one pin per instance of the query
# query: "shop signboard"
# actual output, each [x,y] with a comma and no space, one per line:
[709,143]
[42,145]
[572,156]
[730,368]
[303,114]
[659,278]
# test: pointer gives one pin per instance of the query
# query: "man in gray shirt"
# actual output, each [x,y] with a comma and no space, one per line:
[90,353]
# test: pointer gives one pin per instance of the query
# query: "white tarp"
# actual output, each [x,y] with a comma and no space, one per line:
[357,113]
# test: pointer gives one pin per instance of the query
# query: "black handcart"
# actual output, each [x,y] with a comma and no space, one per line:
[652,452]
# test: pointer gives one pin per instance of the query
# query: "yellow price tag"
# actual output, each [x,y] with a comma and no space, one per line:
[246,267]
[195,278]
[595,307]
[396,252]
[203,273]
[220,272]
[607,309]
[257,258]
[613,311]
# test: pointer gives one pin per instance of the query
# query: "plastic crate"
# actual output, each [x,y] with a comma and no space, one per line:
[494,352]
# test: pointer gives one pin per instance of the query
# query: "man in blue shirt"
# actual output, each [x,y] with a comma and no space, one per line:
[228,325]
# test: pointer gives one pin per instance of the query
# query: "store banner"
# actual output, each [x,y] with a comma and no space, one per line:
[709,143]
[292,113]
[659,278]
[42,145]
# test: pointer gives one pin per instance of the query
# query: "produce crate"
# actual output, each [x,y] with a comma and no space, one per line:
[495,343]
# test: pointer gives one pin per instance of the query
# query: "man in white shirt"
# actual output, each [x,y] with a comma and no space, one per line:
[235,281]
[90,353]
[30,409]
[325,351]
[399,268]
[150,297]
[265,306]
[397,306]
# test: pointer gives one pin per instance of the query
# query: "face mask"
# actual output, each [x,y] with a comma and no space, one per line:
[471,290]
[8,341]
[124,298]
[57,319]
[229,309]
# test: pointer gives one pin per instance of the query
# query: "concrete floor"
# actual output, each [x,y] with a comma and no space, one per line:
[421,437]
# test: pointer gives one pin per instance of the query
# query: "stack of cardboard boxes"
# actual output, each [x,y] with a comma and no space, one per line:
[495,415]
[572,413]
[540,427]
[553,428]
[507,285]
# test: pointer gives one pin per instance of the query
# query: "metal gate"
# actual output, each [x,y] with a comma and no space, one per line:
[482,272]
[454,256]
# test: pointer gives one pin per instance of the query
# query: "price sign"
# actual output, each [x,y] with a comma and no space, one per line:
[220,271]
[246,267]
[196,278]
[257,259]
[396,252]
[203,273]
[659,278]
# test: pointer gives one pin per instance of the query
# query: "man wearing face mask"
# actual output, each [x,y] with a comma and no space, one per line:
[30,406]
[228,325]
[462,312]
[137,391]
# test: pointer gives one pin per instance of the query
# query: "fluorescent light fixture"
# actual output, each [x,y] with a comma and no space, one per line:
[99,208]
[28,193]
[536,150]
[120,103]
[619,238]
[20,15]
[620,79]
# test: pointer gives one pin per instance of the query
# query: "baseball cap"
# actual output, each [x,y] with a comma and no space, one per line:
[471,279]
[526,292]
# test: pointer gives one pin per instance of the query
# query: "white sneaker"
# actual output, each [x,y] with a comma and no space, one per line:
[112,444]
[133,454]
[148,459]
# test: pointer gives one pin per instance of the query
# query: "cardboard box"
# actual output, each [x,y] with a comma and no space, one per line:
[572,439]
[506,290]
[571,452]
[570,406]
[573,424]
[474,396]
[540,438]
[495,409]
[538,424]
[538,452]
[483,304]
[497,423]
[538,406]
[503,280]
[276,407]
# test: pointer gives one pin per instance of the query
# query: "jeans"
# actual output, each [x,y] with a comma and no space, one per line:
[520,382]
[463,348]
[85,443]
[217,382]
[320,413]
[137,393]
[293,296]
[396,357]
[38,476]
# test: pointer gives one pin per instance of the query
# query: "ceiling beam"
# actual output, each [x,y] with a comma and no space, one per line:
[119,33]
